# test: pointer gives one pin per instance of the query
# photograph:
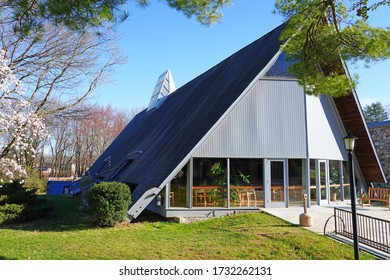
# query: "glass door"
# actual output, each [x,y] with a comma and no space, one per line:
[277,183]
[313,182]
[323,180]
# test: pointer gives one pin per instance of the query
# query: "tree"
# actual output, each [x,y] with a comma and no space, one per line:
[53,48]
[81,138]
[79,14]
[18,123]
[95,133]
[54,63]
[76,14]
[375,112]
[320,32]
[61,146]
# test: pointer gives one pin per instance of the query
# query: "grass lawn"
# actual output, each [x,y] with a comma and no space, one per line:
[68,233]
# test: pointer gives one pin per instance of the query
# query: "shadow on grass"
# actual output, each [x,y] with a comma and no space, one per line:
[66,214]
[69,214]
[2,258]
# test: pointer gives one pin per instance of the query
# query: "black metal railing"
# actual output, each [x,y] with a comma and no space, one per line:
[373,232]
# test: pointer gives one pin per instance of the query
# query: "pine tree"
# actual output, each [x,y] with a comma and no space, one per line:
[375,112]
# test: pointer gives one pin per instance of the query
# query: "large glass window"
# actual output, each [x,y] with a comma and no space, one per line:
[246,183]
[179,188]
[280,68]
[346,182]
[296,189]
[210,182]
[277,181]
[161,198]
[334,180]
[323,179]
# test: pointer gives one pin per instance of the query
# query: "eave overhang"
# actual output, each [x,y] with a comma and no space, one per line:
[352,118]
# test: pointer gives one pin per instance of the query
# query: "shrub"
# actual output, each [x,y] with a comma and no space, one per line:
[18,204]
[109,202]
[17,193]
[10,213]
[34,183]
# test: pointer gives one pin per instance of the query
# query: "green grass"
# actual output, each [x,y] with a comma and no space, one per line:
[68,233]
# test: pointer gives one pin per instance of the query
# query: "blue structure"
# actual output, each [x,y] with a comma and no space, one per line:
[59,187]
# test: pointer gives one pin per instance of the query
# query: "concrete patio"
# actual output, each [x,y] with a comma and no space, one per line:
[321,214]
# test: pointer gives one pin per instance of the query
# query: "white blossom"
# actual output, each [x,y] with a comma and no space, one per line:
[18,123]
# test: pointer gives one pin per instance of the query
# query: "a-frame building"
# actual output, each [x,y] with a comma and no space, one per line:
[242,135]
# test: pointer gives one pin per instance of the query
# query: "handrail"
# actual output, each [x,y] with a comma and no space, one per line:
[373,232]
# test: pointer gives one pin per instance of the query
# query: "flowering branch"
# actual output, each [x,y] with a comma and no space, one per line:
[19,124]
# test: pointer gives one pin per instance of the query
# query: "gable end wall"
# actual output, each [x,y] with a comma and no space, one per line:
[275,119]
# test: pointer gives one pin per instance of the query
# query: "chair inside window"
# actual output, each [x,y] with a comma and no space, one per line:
[200,197]
[248,197]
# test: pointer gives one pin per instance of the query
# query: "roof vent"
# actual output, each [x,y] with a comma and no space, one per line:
[163,88]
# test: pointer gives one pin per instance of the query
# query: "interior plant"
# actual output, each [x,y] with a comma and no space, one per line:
[335,192]
[234,197]
[238,179]
[218,176]
[334,179]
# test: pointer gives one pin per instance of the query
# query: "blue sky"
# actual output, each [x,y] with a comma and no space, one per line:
[157,38]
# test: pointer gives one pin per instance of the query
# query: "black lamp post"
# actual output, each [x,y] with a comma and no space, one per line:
[349,142]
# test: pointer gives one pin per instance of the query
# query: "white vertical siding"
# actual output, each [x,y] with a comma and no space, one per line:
[269,122]
[325,131]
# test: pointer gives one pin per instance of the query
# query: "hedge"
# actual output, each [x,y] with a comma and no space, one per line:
[109,202]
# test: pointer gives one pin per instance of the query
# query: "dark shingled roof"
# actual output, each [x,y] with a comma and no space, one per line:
[166,135]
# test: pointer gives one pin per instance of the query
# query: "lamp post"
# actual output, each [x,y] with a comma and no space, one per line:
[349,142]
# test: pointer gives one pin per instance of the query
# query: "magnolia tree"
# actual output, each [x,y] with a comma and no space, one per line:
[18,124]
[59,68]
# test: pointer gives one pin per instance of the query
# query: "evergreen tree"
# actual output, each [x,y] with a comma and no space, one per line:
[320,32]
[375,112]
